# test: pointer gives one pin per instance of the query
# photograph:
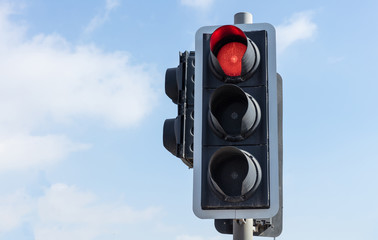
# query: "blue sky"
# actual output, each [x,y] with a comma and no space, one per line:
[82,108]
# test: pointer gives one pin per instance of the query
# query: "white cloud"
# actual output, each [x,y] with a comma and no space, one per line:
[200,4]
[299,27]
[66,212]
[14,209]
[23,151]
[98,20]
[46,80]
[81,207]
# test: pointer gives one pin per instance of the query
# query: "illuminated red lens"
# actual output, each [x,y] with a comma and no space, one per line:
[230,58]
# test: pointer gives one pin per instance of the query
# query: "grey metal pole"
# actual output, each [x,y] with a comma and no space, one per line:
[243,18]
[243,228]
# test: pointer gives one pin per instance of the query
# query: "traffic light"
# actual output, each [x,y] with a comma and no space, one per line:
[236,143]
[179,87]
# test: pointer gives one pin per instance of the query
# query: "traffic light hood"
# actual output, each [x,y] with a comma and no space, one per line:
[233,56]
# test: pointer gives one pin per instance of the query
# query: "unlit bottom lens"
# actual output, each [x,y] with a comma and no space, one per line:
[234,174]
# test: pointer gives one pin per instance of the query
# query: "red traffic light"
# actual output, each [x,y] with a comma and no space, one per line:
[229,54]
[233,56]
[230,58]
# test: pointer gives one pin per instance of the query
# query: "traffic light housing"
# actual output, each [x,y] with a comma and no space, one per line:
[236,144]
[179,87]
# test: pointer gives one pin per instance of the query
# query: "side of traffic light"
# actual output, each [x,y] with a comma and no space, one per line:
[179,87]
[236,123]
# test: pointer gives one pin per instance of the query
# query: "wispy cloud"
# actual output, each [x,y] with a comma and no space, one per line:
[335,60]
[98,20]
[299,27]
[199,4]
[46,80]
